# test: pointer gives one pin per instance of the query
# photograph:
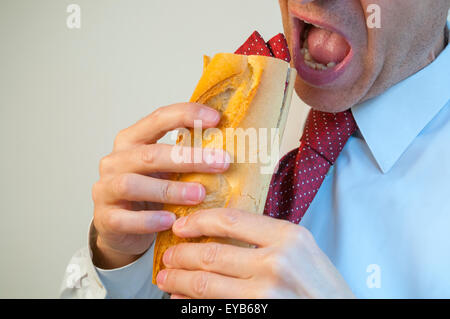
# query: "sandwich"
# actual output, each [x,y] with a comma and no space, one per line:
[252,90]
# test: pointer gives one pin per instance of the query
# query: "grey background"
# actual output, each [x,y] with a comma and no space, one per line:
[64,95]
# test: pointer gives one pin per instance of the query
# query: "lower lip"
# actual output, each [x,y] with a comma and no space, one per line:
[312,76]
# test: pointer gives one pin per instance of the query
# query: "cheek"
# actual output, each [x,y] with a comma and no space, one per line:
[382,26]
[285,21]
[385,21]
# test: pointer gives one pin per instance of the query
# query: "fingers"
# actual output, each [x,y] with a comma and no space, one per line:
[154,126]
[222,259]
[233,223]
[122,221]
[134,187]
[152,158]
[199,284]
[175,296]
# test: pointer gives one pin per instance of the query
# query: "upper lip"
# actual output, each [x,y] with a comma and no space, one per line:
[319,23]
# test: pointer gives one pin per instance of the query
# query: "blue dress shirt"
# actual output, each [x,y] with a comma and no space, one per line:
[382,214]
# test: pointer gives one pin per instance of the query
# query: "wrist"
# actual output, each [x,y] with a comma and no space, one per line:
[105,257]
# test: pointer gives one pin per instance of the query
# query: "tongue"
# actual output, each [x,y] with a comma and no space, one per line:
[326,46]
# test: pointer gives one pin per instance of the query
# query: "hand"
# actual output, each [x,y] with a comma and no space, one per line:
[129,195]
[286,263]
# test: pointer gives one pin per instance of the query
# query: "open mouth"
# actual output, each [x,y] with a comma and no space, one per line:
[321,53]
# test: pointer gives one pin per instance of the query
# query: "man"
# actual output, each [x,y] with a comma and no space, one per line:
[378,225]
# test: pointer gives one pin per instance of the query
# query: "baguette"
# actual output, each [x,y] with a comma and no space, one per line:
[250,92]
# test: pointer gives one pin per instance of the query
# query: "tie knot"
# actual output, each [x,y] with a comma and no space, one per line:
[327,133]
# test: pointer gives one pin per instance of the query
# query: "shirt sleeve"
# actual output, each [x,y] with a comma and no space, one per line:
[83,280]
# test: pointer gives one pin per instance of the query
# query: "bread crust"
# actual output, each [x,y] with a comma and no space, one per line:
[249,92]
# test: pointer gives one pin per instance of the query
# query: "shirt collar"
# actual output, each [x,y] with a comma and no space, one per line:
[390,122]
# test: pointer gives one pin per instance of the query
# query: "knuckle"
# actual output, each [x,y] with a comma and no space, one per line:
[292,232]
[118,140]
[142,227]
[96,191]
[148,154]
[100,225]
[300,234]
[157,114]
[194,218]
[209,254]
[164,191]
[231,216]
[191,112]
[171,278]
[111,221]
[228,217]
[192,109]
[189,158]
[97,220]
[105,165]
[177,257]
[200,283]
[274,265]
[123,185]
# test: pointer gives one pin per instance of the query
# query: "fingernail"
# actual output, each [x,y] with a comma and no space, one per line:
[166,220]
[161,277]
[180,222]
[167,257]
[193,193]
[209,115]
[216,158]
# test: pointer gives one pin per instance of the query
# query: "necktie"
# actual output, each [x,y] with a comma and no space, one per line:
[276,47]
[301,172]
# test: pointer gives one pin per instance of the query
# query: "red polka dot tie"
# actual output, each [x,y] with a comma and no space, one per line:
[276,47]
[301,172]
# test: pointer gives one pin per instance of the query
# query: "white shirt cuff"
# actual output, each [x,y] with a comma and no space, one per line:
[131,281]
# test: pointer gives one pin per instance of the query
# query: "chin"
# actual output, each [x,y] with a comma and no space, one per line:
[326,99]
